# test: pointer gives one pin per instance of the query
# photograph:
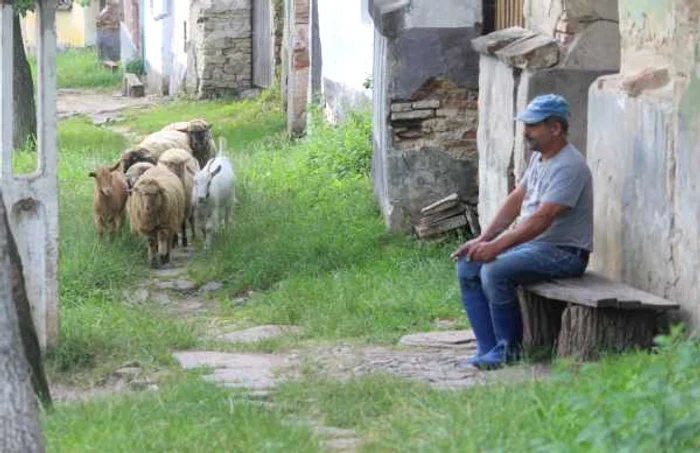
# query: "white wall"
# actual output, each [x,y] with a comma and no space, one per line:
[181,35]
[157,30]
[347,43]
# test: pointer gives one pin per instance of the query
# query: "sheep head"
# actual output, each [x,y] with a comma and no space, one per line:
[135,172]
[151,195]
[202,181]
[134,155]
[200,134]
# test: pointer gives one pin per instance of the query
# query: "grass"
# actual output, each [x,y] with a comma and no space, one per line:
[309,240]
[97,331]
[186,416]
[80,68]
[634,403]
[308,233]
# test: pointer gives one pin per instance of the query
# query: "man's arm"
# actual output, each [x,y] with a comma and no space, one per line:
[506,215]
[510,210]
[532,227]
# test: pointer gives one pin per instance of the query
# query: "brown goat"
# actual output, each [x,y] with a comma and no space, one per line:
[157,210]
[109,200]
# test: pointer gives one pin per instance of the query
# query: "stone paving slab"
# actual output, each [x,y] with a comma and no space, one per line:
[440,339]
[259,333]
[245,370]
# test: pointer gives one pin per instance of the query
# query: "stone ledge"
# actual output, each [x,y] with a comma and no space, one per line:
[530,52]
[388,15]
[493,42]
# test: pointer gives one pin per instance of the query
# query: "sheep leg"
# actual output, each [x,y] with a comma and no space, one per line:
[192,228]
[153,251]
[184,232]
[164,245]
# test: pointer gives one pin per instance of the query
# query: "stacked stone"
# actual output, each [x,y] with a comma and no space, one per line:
[223,48]
[447,121]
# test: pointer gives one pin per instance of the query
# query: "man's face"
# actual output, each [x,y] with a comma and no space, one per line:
[539,135]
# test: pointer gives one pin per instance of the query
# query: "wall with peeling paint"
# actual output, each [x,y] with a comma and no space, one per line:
[644,150]
[425,98]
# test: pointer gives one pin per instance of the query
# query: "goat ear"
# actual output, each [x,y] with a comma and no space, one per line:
[92,174]
[115,166]
[215,172]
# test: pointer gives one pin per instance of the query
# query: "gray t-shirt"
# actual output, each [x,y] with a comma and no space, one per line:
[565,180]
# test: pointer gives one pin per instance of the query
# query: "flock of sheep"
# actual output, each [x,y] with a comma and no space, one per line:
[170,179]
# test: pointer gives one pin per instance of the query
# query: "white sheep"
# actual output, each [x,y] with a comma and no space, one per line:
[213,195]
[185,166]
[157,210]
[109,200]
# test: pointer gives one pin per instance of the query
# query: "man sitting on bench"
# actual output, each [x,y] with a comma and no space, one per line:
[552,238]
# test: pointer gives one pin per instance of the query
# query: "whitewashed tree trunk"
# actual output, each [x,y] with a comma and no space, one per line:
[19,424]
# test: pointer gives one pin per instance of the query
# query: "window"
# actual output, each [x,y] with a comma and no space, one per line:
[509,13]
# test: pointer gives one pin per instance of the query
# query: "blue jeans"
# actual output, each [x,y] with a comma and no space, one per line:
[486,287]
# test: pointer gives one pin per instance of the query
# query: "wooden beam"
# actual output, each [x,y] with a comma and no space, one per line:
[6,72]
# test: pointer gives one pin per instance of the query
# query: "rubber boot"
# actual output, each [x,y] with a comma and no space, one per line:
[479,313]
[508,326]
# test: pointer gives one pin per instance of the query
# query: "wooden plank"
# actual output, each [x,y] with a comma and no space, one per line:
[594,290]
[6,71]
[441,215]
[441,205]
[111,65]
[263,43]
[448,225]
[132,86]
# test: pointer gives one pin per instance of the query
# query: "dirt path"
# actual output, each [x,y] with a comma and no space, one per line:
[102,107]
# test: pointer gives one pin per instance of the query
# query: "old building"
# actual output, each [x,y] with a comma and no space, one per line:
[75,24]
[202,47]
[564,46]
[644,150]
[426,81]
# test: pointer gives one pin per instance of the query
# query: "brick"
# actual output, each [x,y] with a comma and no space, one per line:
[412,115]
[427,104]
[401,106]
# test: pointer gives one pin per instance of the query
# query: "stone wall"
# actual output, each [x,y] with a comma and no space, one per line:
[425,83]
[220,53]
[644,150]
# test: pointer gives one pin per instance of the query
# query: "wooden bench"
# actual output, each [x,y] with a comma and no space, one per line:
[583,317]
[132,86]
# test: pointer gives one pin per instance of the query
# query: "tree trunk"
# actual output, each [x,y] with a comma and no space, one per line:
[587,332]
[23,107]
[19,423]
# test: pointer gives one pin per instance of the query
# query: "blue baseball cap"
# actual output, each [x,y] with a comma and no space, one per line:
[543,107]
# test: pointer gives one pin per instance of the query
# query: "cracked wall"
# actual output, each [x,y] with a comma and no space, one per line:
[644,150]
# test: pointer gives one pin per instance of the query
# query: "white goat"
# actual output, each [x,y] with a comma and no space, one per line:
[213,195]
